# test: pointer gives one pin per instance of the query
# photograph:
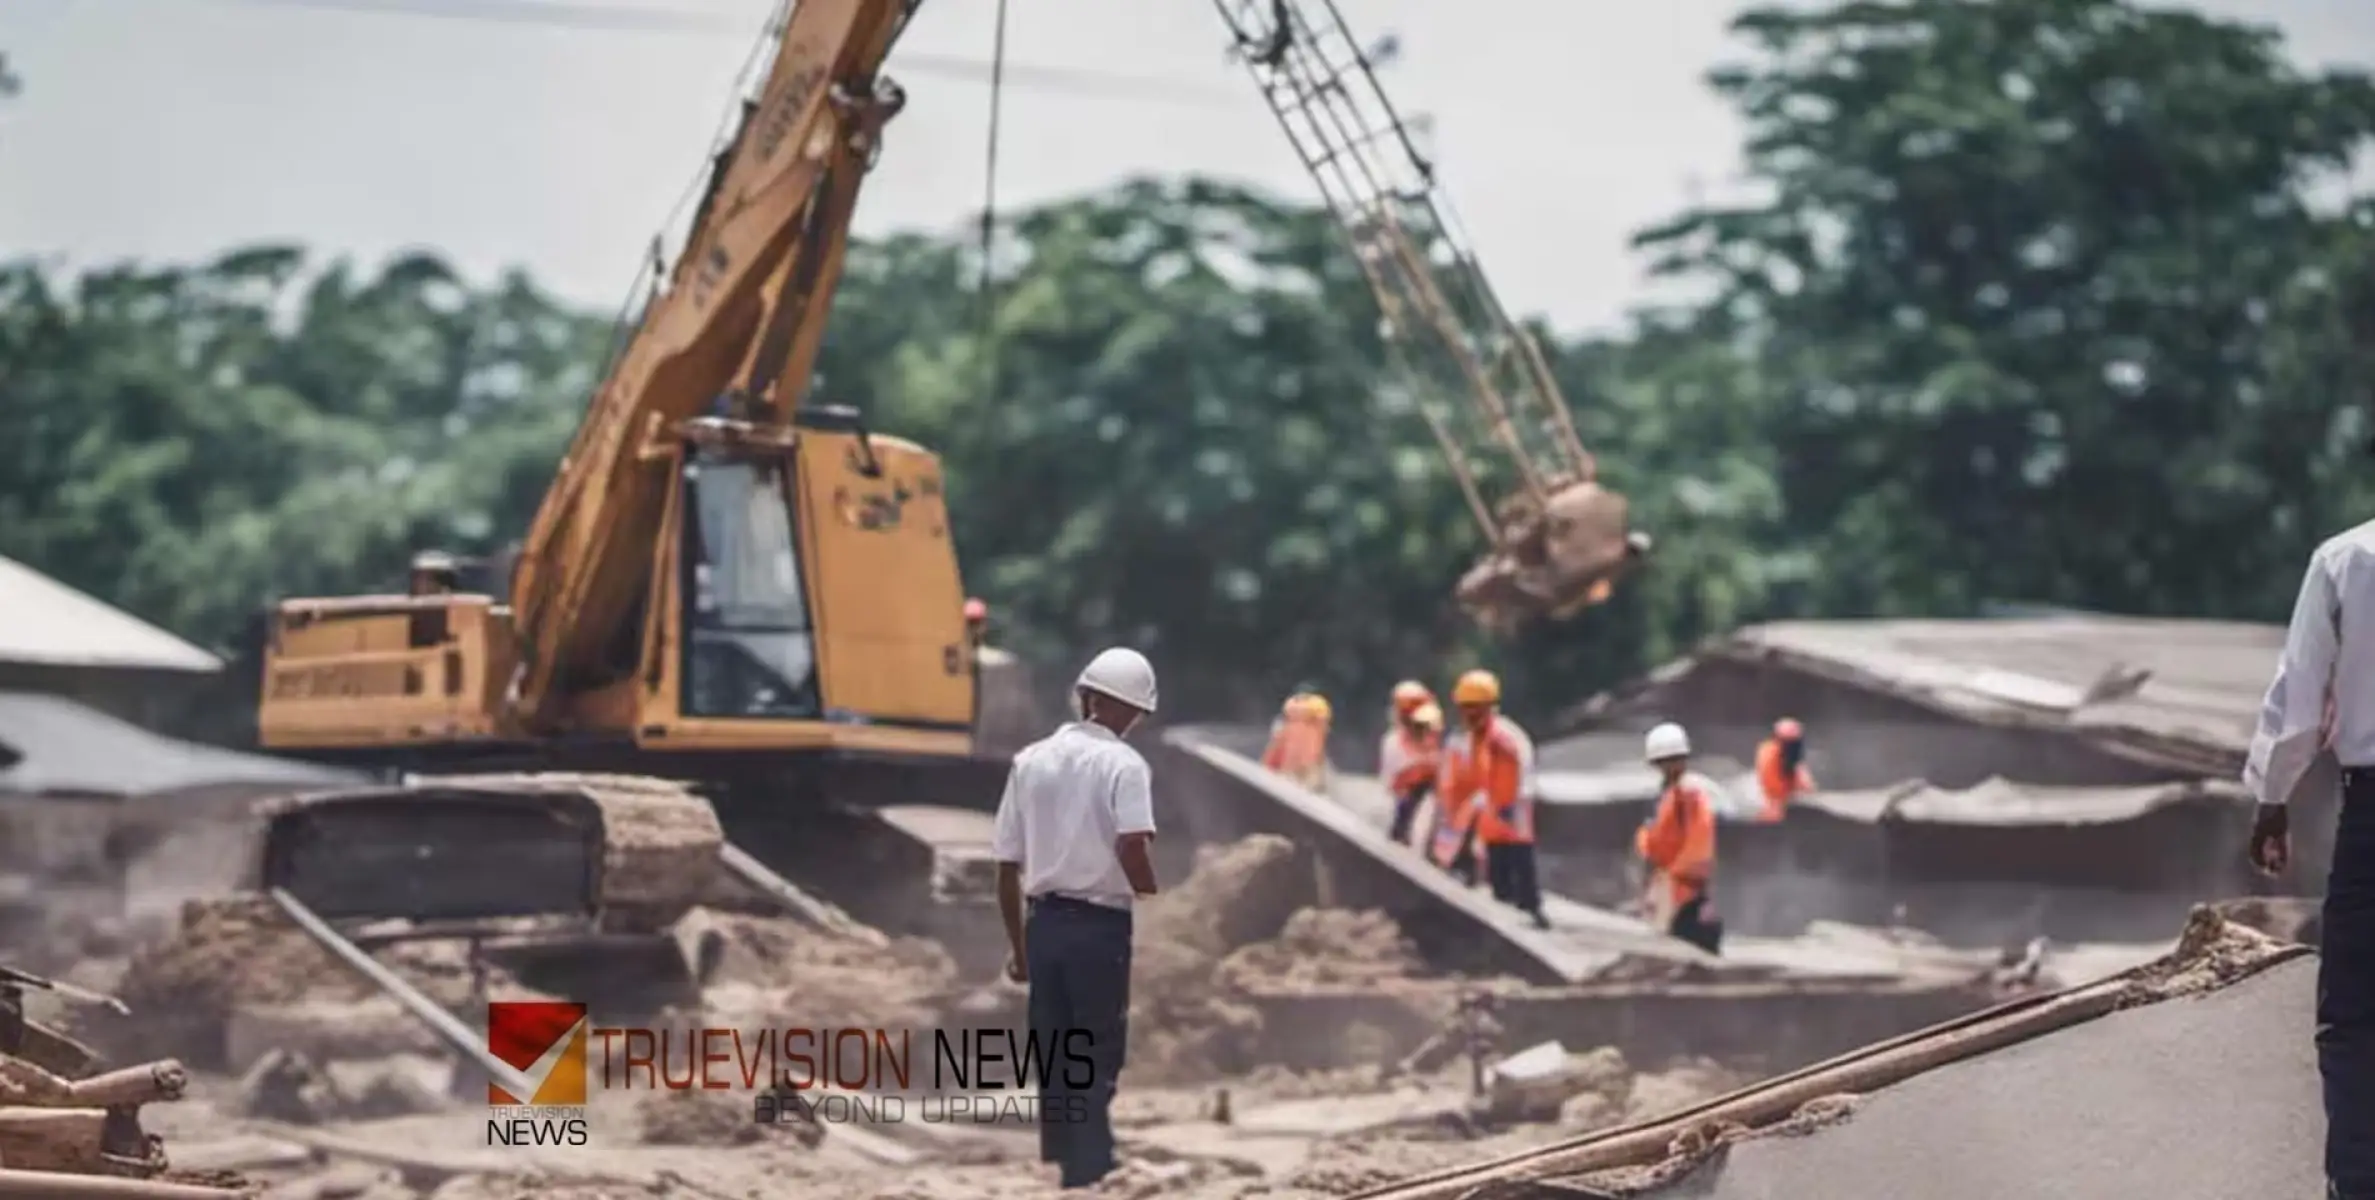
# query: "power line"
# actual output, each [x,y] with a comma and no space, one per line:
[624,18]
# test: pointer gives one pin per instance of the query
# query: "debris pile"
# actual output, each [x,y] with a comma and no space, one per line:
[696,1117]
[780,971]
[1327,947]
[1186,1025]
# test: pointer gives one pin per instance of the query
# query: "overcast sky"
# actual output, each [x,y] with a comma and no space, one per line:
[178,128]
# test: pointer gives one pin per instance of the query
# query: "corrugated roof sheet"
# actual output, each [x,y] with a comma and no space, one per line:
[2156,682]
[54,745]
[50,624]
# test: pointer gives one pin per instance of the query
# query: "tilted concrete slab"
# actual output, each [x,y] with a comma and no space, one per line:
[2192,1077]
[2202,1099]
[1443,917]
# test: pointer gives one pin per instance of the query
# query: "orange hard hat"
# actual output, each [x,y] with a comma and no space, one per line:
[1788,729]
[1477,687]
[1409,694]
[975,610]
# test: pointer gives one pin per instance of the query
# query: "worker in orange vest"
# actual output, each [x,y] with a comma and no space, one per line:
[1299,740]
[1488,775]
[1678,843]
[1408,758]
[1781,767]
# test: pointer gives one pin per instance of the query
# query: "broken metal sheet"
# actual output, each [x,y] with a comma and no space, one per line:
[51,624]
[1999,801]
[62,747]
[2187,681]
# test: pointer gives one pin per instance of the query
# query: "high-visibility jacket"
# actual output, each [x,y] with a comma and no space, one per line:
[1299,750]
[1487,776]
[1778,784]
[1678,843]
[1407,761]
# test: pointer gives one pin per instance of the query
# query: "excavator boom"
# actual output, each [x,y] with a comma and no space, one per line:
[735,332]
[1558,540]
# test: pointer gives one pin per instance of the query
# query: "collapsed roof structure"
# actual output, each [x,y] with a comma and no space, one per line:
[2190,1078]
[2073,774]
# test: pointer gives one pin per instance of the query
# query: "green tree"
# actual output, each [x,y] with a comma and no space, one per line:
[172,441]
[2042,302]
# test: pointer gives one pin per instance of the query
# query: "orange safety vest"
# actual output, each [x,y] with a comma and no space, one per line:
[1298,748]
[1679,841]
[1407,760]
[1488,779]
[1779,785]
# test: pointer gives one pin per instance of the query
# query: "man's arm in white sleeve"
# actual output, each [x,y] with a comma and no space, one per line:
[1134,826]
[2293,715]
[1006,846]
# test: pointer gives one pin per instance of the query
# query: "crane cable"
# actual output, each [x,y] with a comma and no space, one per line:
[989,217]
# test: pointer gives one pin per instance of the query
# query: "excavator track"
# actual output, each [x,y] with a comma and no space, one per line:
[622,854]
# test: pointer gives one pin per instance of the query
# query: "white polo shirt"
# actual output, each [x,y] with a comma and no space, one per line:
[1068,797]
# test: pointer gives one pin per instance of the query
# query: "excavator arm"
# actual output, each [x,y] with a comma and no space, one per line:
[734,332]
[1557,539]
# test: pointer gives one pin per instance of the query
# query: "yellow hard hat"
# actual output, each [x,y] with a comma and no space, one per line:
[1477,687]
[1427,715]
[1316,707]
[1409,694]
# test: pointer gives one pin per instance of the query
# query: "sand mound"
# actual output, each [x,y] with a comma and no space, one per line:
[789,973]
[695,1117]
[1233,924]
[231,952]
[1325,947]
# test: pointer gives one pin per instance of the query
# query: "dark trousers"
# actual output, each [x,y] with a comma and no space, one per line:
[1079,958]
[1463,864]
[1511,870]
[1693,925]
[2346,995]
[1406,811]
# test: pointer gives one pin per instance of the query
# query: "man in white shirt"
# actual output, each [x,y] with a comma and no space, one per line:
[2324,698]
[1074,841]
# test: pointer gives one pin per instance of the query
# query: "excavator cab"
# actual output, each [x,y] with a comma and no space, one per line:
[803,594]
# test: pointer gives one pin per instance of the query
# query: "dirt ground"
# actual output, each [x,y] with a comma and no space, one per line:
[344,1101]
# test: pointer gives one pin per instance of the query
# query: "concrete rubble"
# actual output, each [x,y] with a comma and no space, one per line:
[312,1087]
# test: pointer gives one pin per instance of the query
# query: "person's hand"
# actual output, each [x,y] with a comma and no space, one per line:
[2271,839]
[1017,969]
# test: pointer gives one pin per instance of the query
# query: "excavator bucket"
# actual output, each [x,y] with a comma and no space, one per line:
[1555,559]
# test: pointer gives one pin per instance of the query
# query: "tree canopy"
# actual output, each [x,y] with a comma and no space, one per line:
[2045,301]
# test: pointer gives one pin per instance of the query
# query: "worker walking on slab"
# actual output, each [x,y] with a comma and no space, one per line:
[1781,768]
[2323,697]
[1678,843]
[1411,752]
[1073,841]
[1298,746]
[1488,773]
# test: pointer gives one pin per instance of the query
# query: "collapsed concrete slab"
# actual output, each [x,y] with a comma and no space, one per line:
[2190,1077]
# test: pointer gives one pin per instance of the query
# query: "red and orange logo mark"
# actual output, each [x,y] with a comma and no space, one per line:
[546,1041]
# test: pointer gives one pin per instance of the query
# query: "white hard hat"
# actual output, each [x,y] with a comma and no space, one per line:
[1123,674]
[1666,741]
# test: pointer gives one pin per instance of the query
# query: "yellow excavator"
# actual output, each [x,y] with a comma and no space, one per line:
[728,584]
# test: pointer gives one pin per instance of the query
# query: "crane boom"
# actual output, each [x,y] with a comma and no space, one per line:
[737,327]
[1558,539]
